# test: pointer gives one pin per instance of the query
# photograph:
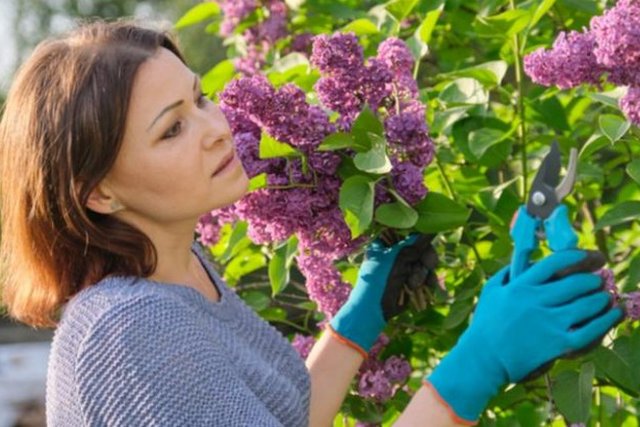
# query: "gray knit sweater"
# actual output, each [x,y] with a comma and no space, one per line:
[134,352]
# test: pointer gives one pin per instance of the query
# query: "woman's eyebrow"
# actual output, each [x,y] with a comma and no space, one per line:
[173,105]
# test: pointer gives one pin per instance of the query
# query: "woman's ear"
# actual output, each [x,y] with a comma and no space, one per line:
[101,201]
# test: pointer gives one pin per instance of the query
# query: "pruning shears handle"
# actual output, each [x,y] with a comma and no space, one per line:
[543,216]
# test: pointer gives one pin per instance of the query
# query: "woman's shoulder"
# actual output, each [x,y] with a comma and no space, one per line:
[117,300]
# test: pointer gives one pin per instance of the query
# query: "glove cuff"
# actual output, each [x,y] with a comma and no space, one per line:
[361,332]
[347,342]
[452,414]
[466,382]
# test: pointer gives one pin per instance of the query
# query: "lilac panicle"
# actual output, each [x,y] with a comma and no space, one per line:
[303,344]
[630,105]
[397,369]
[396,55]
[375,385]
[617,35]
[337,55]
[571,62]
[632,305]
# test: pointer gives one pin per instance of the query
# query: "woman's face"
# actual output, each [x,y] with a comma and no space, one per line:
[177,159]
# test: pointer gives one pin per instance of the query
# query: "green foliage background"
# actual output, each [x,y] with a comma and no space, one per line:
[491,126]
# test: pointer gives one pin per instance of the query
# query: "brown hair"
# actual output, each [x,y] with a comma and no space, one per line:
[61,131]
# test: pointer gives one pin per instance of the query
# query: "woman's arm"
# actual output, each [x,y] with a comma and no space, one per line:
[332,365]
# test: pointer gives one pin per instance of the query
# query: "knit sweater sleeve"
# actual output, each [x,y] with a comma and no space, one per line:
[148,362]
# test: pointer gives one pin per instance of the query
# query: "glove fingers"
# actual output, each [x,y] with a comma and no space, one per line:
[583,309]
[543,270]
[595,329]
[570,288]
[593,262]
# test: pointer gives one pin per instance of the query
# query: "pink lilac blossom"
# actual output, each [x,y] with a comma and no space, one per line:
[609,49]
[617,33]
[630,105]
[208,230]
[397,369]
[632,305]
[233,12]
[259,38]
[571,62]
[302,43]
[375,385]
[396,55]
[609,283]
[347,83]
[337,55]
[303,344]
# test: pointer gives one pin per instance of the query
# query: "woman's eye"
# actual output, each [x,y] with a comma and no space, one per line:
[173,130]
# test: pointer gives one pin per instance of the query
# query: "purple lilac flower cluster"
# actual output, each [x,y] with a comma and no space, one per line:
[258,38]
[379,380]
[301,197]
[608,50]
[386,84]
[303,344]
[630,300]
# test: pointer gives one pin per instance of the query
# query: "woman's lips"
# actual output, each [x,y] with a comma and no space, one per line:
[225,164]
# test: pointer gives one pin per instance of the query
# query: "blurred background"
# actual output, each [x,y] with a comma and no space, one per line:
[24,23]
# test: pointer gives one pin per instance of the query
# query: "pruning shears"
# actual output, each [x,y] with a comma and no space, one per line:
[543,215]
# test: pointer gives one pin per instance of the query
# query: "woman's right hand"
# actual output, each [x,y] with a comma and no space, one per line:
[520,325]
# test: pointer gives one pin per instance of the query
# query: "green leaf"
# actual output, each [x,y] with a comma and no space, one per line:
[397,215]
[337,141]
[439,213]
[619,214]
[425,30]
[216,78]
[280,264]
[540,11]
[270,148]
[417,47]
[489,74]
[595,143]
[633,278]
[633,169]
[256,300]
[273,314]
[620,363]
[257,182]
[239,232]
[198,13]
[365,124]
[361,27]
[375,160]
[458,313]
[294,60]
[482,139]
[572,391]
[356,203]
[443,120]
[503,25]
[610,98]
[400,9]
[464,91]
[613,127]
[245,262]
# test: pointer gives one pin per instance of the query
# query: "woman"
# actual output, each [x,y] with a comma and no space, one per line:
[110,154]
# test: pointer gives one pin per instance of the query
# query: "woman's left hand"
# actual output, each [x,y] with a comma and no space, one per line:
[382,277]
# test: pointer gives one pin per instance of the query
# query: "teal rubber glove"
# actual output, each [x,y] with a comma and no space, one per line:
[374,299]
[520,326]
